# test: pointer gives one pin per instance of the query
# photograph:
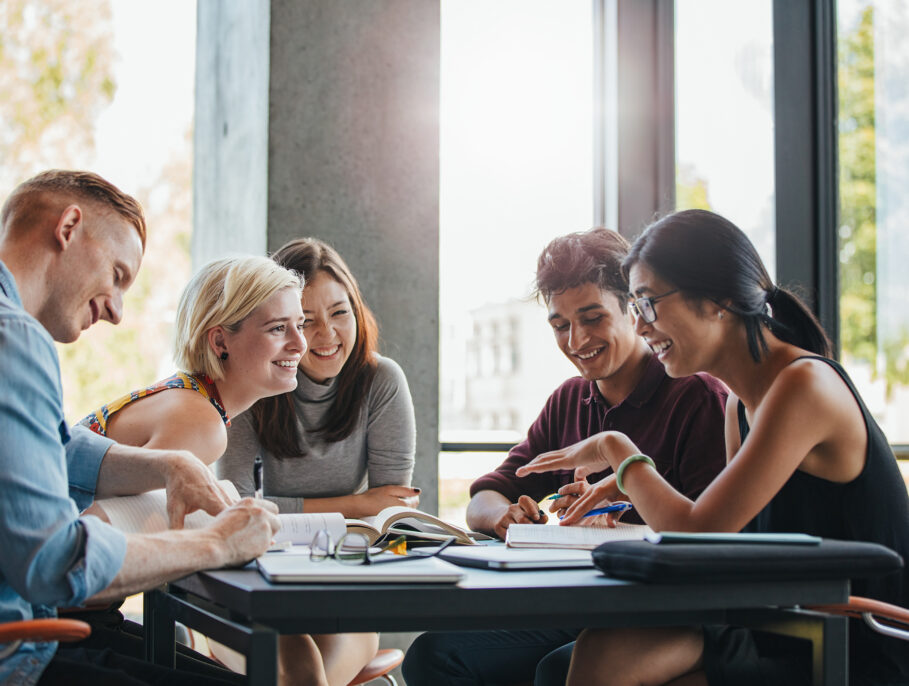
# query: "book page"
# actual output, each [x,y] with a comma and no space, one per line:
[146,513]
[583,537]
[300,528]
[420,521]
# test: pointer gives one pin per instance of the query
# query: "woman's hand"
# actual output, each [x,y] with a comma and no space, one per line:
[374,500]
[589,456]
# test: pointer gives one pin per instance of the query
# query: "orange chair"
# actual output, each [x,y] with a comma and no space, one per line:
[49,629]
[379,667]
[884,618]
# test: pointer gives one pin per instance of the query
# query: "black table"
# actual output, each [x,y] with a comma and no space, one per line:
[242,610]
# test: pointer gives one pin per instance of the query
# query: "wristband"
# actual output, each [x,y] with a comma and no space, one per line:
[631,459]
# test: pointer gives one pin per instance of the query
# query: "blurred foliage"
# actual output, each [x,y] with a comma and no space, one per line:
[690,189]
[55,82]
[858,232]
[56,78]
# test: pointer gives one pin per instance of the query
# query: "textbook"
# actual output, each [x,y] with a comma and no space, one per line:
[146,513]
[406,521]
[582,537]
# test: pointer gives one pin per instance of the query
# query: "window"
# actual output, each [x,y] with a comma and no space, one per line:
[724,114]
[516,171]
[874,169]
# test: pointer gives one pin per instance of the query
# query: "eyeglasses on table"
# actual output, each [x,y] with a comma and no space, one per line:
[354,549]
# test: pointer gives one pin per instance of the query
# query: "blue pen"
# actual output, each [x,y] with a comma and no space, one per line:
[615,507]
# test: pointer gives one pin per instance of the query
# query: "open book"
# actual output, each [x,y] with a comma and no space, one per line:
[406,521]
[583,537]
[146,513]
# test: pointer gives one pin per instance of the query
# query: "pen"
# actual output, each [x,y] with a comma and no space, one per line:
[257,476]
[615,507]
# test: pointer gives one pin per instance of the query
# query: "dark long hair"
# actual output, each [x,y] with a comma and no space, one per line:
[275,418]
[708,257]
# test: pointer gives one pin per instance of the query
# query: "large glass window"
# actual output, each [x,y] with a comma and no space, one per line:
[874,174]
[516,171]
[724,114]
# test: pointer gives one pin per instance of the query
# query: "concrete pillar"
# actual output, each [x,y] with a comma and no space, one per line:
[321,118]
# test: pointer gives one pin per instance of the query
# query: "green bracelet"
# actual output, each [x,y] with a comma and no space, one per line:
[631,459]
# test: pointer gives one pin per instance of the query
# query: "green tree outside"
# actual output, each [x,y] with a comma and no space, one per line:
[858,216]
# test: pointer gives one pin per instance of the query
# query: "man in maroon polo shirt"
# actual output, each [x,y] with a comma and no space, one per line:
[622,387]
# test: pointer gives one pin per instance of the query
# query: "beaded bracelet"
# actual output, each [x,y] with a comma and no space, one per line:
[631,459]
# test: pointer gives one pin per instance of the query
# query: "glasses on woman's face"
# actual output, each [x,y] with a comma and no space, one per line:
[354,549]
[643,308]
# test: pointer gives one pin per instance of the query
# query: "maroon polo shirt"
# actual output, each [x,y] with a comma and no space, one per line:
[679,423]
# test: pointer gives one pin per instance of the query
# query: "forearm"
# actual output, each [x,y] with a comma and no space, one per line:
[485,510]
[127,470]
[154,559]
[348,505]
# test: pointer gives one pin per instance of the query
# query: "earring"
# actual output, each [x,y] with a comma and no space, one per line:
[224,355]
[720,315]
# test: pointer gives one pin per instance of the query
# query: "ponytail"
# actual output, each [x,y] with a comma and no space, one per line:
[791,321]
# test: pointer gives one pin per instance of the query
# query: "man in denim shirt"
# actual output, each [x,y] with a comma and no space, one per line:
[70,246]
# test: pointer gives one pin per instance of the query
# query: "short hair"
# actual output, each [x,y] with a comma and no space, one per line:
[79,185]
[593,256]
[223,293]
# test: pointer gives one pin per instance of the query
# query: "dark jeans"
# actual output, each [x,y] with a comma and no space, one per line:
[115,656]
[489,658]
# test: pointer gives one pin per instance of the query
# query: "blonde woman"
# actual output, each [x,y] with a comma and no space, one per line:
[239,338]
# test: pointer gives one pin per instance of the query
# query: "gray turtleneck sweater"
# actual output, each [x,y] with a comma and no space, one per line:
[379,451]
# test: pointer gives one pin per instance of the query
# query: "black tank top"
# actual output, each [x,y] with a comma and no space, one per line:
[872,507]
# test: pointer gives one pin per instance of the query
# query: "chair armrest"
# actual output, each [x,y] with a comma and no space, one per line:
[885,618]
[44,630]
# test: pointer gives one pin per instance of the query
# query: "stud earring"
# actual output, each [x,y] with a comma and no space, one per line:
[224,355]
[721,315]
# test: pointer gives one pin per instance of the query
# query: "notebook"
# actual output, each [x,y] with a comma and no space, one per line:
[289,568]
[502,558]
[579,537]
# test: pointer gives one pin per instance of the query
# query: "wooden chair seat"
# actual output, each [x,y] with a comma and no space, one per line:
[885,618]
[49,629]
[379,667]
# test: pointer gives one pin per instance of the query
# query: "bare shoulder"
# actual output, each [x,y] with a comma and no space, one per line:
[176,419]
[813,380]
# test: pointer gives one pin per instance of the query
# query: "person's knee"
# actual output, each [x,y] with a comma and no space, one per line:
[552,670]
[429,660]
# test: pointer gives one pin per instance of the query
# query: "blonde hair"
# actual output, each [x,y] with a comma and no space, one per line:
[223,293]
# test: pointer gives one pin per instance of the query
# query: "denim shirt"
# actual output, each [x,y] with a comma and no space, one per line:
[51,557]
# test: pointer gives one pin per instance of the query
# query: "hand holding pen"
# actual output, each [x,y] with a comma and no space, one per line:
[587,498]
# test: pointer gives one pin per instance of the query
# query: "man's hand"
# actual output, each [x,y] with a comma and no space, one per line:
[525,511]
[190,486]
[246,530]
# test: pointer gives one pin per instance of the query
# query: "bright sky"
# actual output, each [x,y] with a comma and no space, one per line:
[153,105]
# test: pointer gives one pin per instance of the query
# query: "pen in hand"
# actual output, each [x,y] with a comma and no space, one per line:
[257,476]
[615,507]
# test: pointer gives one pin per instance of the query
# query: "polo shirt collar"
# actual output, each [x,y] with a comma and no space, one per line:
[8,285]
[654,373]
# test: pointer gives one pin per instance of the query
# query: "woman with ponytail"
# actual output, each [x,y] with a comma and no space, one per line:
[803,455]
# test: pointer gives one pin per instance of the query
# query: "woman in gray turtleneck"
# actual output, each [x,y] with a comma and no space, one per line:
[344,440]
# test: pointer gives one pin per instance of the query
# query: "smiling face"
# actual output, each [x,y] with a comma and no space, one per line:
[98,265]
[685,336]
[593,332]
[330,327]
[264,352]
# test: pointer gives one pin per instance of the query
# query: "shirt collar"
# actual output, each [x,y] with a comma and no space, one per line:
[654,373]
[8,285]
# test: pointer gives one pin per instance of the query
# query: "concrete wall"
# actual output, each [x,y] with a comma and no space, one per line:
[230,173]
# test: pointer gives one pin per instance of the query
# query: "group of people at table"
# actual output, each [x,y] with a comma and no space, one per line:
[706,397]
